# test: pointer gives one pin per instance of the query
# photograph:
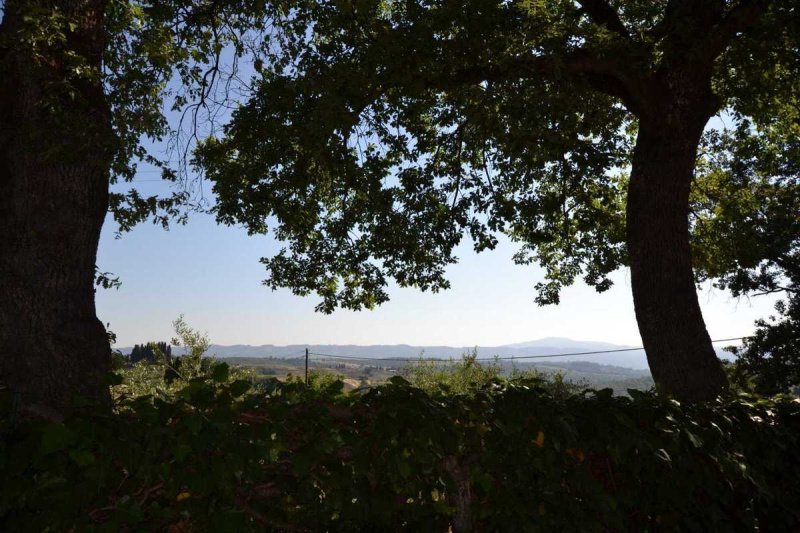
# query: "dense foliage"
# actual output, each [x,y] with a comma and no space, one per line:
[769,362]
[468,375]
[746,237]
[374,136]
[163,375]
[222,455]
[504,121]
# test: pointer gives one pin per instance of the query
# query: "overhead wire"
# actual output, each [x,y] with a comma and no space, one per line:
[497,358]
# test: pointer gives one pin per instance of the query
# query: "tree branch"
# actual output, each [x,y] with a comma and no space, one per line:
[604,74]
[578,62]
[738,18]
[775,291]
[601,13]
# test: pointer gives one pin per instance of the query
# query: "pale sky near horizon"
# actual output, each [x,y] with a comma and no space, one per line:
[211,274]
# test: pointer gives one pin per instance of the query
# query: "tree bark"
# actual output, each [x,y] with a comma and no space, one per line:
[679,350]
[54,169]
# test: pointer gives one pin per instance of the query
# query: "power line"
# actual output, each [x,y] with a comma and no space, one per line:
[511,358]
[288,356]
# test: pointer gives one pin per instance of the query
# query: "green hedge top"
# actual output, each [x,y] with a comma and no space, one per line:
[510,456]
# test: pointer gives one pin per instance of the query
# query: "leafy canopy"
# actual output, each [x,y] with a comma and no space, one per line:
[376,134]
[164,78]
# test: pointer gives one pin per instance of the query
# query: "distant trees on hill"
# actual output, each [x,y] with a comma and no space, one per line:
[152,352]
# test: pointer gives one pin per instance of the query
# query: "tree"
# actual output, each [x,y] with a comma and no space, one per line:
[84,82]
[136,354]
[769,362]
[376,134]
[747,236]
[151,352]
[195,344]
[53,198]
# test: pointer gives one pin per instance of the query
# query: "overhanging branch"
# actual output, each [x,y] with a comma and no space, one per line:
[604,74]
[738,18]
[601,13]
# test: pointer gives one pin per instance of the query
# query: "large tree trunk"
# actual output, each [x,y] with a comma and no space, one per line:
[679,350]
[54,167]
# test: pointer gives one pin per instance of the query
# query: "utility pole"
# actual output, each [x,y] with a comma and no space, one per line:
[306,367]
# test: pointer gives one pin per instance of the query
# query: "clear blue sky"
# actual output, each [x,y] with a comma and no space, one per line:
[211,274]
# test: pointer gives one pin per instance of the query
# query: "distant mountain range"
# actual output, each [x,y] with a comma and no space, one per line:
[634,359]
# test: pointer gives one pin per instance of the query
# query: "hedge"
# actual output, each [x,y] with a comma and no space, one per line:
[507,457]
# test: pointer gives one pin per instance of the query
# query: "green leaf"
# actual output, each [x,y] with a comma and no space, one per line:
[404,468]
[82,457]
[113,378]
[56,437]
[194,422]
[662,454]
[221,372]
[696,441]
[182,451]
[239,387]
[398,380]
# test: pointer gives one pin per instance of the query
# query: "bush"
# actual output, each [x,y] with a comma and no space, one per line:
[164,375]
[218,456]
[468,375]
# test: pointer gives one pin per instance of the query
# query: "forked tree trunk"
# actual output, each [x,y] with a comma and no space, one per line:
[679,350]
[53,199]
